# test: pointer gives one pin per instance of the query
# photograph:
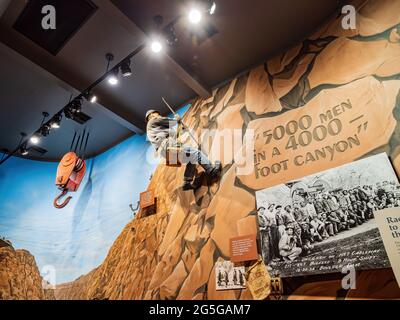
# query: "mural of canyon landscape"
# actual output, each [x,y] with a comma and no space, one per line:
[328,101]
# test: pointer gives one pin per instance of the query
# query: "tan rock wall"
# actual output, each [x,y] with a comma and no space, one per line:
[171,255]
[20,278]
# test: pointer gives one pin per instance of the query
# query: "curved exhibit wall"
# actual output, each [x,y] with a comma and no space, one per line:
[76,239]
[347,78]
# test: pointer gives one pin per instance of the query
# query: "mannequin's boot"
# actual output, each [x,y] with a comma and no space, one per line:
[187,185]
[214,172]
[194,185]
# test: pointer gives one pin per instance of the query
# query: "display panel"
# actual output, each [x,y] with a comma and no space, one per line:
[324,222]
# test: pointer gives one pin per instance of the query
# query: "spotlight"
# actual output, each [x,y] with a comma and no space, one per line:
[90,97]
[213,8]
[126,70]
[170,35]
[35,139]
[195,16]
[56,121]
[68,113]
[73,108]
[45,130]
[156,46]
[23,150]
[76,106]
[113,78]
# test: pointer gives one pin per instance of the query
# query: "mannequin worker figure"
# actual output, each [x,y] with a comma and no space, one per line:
[161,135]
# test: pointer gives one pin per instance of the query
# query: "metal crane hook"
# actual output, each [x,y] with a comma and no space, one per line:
[66,201]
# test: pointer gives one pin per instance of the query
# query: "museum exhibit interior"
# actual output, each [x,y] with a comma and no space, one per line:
[199,150]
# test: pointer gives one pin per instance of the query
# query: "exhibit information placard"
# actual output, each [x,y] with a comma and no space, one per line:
[244,248]
[147,199]
[388,221]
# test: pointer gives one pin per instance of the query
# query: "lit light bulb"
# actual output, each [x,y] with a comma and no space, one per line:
[213,8]
[156,46]
[93,99]
[195,16]
[113,80]
[55,125]
[35,139]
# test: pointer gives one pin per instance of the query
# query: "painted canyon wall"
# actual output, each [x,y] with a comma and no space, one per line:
[20,278]
[341,86]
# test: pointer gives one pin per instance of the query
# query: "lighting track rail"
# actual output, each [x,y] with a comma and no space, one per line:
[83,94]
[73,109]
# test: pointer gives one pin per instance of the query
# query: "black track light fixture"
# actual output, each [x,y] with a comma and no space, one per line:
[157,40]
[212,6]
[199,8]
[68,113]
[126,70]
[113,77]
[92,98]
[170,35]
[35,138]
[76,105]
[23,150]
[73,109]
[45,115]
[56,121]
[45,130]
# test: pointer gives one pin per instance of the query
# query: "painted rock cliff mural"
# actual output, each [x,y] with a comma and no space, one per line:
[329,100]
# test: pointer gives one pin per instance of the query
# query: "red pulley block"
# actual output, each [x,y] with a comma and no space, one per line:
[70,173]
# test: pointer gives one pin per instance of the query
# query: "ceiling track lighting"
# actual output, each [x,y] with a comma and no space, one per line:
[156,46]
[35,138]
[76,105]
[55,122]
[113,78]
[23,150]
[113,74]
[170,35]
[125,67]
[195,14]
[156,42]
[45,130]
[23,145]
[73,109]
[45,115]
[90,97]
[212,7]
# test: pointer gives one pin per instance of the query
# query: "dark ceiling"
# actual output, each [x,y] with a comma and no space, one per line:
[35,80]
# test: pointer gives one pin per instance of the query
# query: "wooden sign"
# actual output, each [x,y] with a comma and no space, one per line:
[334,128]
[147,199]
[244,248]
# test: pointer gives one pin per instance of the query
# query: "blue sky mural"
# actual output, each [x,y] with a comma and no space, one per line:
[77,238]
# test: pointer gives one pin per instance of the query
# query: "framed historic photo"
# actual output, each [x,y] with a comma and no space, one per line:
[324,222]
